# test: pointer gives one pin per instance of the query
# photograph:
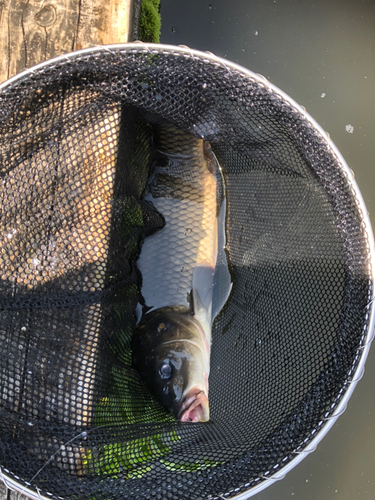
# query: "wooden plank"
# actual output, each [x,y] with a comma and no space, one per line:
[6,494]
[33,31]
[88,231]
[81,243]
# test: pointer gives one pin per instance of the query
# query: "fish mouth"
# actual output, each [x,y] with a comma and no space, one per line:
[195,407]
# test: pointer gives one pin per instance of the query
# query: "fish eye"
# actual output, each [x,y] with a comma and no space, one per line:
[165,371]
[162,327]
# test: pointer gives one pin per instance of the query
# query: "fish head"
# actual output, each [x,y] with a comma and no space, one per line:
[171,354]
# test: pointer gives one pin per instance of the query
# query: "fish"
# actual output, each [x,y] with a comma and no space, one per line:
[171,344]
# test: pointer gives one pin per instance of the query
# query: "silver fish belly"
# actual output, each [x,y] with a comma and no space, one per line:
[171,346]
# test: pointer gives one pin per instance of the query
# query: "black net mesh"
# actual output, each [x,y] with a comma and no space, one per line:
[76,152]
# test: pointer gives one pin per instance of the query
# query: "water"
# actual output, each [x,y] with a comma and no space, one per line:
[321,54]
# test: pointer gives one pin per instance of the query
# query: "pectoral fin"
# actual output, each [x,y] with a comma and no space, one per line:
[222,278]
[203,279]
[222,285]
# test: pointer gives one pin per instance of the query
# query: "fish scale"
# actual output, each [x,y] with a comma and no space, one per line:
[184,191]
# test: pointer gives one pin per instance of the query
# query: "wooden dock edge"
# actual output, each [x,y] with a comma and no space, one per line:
[33,32]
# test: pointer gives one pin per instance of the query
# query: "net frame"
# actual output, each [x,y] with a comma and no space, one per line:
[278,473]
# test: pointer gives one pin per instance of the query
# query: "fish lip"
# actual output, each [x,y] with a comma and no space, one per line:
[190,403]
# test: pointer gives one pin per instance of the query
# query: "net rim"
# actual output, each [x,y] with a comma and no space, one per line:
[5,475]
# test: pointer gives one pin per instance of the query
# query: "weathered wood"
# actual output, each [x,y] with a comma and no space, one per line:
[83,246]
[6,494]
[33,31]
